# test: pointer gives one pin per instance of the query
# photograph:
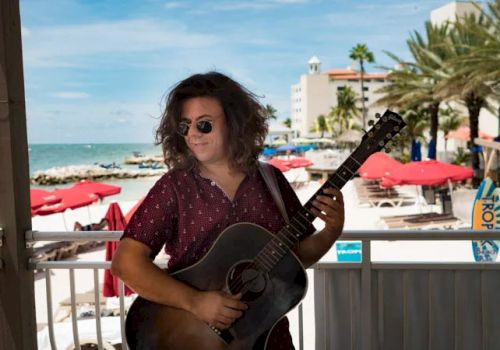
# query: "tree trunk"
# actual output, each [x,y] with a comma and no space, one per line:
[474,105]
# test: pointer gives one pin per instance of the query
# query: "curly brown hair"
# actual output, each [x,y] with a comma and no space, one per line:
[246,120]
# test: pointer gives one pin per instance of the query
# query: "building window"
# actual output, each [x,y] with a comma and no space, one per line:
[340,88]
[365,88]
[366,99]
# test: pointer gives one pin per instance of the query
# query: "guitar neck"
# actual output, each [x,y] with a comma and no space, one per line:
[295,230]
[388,126]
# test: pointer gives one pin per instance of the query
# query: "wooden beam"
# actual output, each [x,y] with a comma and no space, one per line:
[17,302]
[489,144]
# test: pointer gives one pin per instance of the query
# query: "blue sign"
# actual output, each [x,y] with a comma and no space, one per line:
[349,251]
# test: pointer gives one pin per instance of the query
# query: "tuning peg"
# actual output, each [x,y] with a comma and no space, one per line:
[396,128]
[371,122]
[377,115]
[370,134]
[381,143]
[404,133]
[388,136]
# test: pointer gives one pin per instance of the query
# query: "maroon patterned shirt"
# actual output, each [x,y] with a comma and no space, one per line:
[185,213]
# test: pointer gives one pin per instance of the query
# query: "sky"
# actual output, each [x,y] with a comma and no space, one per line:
[98,71]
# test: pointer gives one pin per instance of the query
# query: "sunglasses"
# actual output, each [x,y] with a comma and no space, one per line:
[203,126]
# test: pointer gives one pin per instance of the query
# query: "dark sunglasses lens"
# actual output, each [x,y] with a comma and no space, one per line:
[204,126]
[183,128]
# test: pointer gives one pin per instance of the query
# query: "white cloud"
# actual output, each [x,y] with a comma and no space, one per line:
[70,95]
[256,4]
[66,45]
[175,4]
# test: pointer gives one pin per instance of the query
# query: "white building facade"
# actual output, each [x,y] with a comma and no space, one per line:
[316,94]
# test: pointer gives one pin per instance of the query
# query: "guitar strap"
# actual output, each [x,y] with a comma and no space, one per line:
[267,172]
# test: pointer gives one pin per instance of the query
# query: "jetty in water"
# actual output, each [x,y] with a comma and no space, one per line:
[74,173]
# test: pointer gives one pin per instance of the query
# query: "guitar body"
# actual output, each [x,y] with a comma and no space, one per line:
[269,295]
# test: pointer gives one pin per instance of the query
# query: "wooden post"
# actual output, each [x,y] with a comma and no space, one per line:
[17,302]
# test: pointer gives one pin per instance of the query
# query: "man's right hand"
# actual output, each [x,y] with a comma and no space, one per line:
[218,309]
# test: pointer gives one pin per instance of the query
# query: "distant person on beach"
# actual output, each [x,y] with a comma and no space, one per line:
[212,132]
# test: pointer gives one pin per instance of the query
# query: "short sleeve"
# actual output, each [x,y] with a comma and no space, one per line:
[292,202]
[155,221]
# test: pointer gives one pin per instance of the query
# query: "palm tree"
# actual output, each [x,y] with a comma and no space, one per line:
[417,122]
[481,64]
[321,125]
[343,114]
[451,121]
[460,84]
[361,54]
[271,112]
[288,123]
[415,85]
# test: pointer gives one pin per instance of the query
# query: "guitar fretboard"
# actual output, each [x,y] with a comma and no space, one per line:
[294,231]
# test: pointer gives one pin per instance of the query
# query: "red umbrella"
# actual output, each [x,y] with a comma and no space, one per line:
[299,162]
[71,198]
[463,133]
[377,166]
[281,164]
[116,222]
[41,197]
[428,172]
[98,188]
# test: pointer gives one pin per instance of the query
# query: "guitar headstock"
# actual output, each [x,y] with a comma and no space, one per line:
[379,136]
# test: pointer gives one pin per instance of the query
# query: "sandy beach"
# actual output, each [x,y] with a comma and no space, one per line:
[358,217]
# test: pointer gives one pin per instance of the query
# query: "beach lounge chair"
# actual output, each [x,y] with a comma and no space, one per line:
[456,212]
[369,192]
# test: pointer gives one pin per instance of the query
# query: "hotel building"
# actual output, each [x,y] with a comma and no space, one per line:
[316,94]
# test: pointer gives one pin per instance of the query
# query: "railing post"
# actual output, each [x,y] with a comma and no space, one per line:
[366,294]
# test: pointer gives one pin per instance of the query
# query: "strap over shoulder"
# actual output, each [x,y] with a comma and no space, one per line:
[267,172]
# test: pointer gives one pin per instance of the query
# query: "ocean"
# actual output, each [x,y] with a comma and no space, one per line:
[45,156]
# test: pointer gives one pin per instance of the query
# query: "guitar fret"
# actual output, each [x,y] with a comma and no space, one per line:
[264,262]
[298,222]
[281,233]
[288,244]
[355,161]
[278,246]
[269,259]
[290,237]
[270,254]
[305,216]
[341,177]
[295,234]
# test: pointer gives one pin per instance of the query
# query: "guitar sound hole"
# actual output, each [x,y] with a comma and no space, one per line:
[246,278]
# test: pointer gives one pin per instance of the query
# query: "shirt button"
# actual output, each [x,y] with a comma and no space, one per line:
[212,183]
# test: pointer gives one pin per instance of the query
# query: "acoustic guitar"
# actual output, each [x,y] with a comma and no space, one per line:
[247,259]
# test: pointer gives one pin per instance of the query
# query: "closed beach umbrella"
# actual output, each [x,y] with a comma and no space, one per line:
[431,154]
[428,172]
[98,188]
[416,153]
[378,165]
[116,222]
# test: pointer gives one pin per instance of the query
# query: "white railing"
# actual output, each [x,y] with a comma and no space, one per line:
[366,265]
